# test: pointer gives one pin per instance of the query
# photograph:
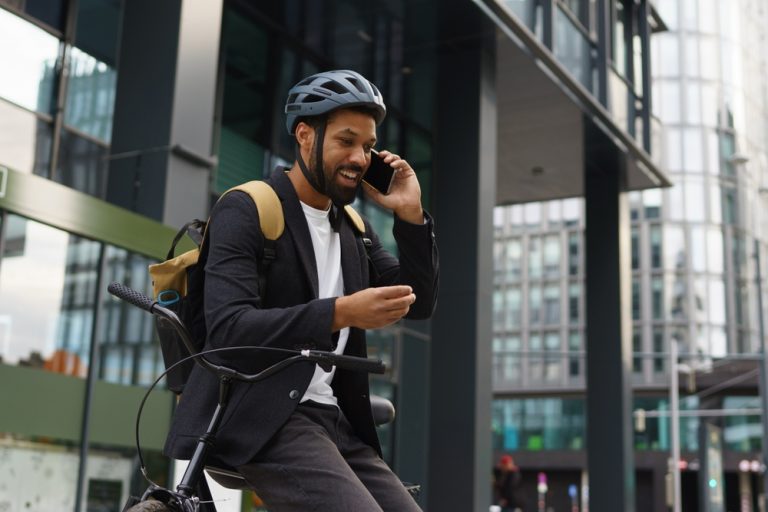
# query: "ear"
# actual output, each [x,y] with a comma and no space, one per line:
[305,135]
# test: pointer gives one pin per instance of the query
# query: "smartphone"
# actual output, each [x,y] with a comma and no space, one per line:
[380,174]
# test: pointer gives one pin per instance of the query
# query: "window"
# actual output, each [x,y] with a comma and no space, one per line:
[552,304]
[32,54]
[513,306]
[129,349]
[657,297]
[574,260]
[574,300]
[574,359]
[551,256]
[553,361]
[635,248]
[534,304]
[635,299]
[637,347]
[654,232]
[47,297]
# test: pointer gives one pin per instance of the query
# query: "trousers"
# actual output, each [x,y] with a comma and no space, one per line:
[316,463]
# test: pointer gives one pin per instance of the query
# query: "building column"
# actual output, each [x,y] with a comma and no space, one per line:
[459,432]
[610,455]
[160,157]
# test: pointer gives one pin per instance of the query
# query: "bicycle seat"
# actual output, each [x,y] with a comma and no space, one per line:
[383,413]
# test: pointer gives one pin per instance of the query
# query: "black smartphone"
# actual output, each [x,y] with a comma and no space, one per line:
[380,174]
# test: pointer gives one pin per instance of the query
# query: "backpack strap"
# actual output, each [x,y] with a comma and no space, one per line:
[359,225]
[271,221]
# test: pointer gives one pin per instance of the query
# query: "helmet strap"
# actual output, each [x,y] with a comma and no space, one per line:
[316,179]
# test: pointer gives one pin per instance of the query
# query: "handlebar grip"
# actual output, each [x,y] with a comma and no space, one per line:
[358,364]
[138,299]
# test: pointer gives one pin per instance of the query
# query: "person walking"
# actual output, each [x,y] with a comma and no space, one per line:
[508,485]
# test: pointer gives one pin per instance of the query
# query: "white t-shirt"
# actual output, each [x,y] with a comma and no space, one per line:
[327,248]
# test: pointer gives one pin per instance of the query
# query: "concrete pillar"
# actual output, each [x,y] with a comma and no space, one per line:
[160,161]
[459,455]
[610,452]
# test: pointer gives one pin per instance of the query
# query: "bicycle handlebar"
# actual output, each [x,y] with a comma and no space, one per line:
[324,358]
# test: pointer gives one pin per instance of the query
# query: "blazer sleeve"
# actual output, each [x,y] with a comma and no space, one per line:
[233,306]
[418,264]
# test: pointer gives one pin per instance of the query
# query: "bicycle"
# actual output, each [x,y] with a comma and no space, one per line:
[192,494]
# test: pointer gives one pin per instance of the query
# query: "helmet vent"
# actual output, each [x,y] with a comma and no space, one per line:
[334,86]
[357,84]
[312,98]
[375,90]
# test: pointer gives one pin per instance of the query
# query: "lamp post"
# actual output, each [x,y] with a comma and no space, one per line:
[763,371]
[674,415]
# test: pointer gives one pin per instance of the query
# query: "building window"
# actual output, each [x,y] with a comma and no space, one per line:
[30,54]
[573,253]
[129,348]
[657,297]
[552,304]
[574,299]
[47,297]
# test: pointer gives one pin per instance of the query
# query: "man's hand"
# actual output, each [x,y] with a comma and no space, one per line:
[373,307]
[405,195]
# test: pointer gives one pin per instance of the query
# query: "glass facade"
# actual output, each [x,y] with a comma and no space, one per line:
[58,333]
[693,245]
[66,142]
[58,328]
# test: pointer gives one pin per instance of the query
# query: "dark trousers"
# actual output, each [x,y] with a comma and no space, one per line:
[317,463]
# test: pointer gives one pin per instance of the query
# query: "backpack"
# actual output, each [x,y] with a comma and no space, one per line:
[178,282]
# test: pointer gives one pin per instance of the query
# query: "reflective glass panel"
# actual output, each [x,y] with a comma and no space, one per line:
[536,424]
[51,12]
[25,140]
[552,256]
[534,257]
[82,164]
[129,350]
[28,53]
[90,95]
[514,259]
[513,307]
[525,10]
[573,49]
[47,297]
[552,304]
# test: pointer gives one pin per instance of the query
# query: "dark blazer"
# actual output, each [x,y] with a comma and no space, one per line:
[290,316]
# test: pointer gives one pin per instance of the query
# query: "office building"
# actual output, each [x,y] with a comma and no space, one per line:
[120,121]
[694,267]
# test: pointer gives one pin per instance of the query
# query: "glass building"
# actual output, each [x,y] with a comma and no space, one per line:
[122,120]
[695,248]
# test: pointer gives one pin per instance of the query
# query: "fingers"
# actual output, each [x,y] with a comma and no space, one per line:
[393,292]
[394,160]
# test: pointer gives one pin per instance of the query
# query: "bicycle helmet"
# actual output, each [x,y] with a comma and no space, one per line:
[321,94]
[327,91]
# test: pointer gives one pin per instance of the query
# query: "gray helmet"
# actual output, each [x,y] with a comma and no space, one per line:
[324,92]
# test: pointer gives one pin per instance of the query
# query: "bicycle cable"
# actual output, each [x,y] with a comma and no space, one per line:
[142,467]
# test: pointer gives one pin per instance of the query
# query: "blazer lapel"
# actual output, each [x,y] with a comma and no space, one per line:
[296,223]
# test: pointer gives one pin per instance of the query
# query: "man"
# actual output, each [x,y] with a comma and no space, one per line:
[304,439]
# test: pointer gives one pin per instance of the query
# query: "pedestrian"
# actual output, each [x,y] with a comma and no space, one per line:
[304,438]
[507,484]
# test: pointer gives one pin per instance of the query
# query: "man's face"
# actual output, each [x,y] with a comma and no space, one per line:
[349,137]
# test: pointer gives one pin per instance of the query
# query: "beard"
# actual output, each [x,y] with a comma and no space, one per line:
[340,196]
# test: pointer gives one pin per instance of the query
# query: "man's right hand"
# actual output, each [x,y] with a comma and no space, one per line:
[373,307]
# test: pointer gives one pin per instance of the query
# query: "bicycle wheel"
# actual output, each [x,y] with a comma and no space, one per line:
[150,506]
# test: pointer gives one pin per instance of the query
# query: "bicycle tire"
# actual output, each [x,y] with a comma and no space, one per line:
[150,506]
